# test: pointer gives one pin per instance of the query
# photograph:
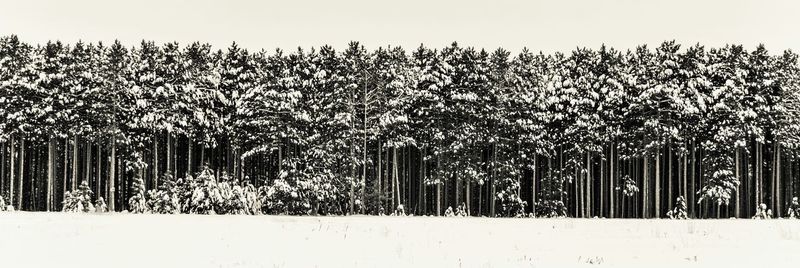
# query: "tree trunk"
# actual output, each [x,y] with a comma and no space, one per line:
[533,187]
[602,183]
[74,163]
[169,153]
[670,198]
[11,174]
[112,176]
[21,172]
[395,179]
[99,172]
[420,208]
[438,186]
[155,161]
[778,205]
[189,146]
[64,184]
[645,188]
[2,171]
[88,175]
[757,167]
[658,184]
[611,191]
[51,151]
[685,177]
[379,180]
[467,196]
[588,187]
[738,190]
[494,180]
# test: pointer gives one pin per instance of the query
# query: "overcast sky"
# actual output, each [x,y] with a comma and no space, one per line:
[556,25]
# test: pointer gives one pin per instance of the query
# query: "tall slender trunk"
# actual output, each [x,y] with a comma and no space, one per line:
[51,173]
[364,163]
[22,150]
[738,189]
[379,180]
[645,186]
[189,141]
[468,185]
[99,171]
[670,183]
[155,161]
[74,163]
[11,174]
[494,180]
[2,171]
[685,178]
[64,187]
[422,184]
[88,175]
[387,183]
[395,179]
[112,176]
[658,184]
[602,183]
[588,187]
[169,153]
[533,187]
[438,185]
[611,192]
[778,205]
[758,173]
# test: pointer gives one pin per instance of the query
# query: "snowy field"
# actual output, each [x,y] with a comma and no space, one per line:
[124,240]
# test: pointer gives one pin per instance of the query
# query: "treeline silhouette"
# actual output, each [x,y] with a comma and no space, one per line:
[595,132]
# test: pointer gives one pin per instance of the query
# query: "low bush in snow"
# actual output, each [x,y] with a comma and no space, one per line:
[79,200]
[165,199]
[205,194]
[4,206]
[551,209]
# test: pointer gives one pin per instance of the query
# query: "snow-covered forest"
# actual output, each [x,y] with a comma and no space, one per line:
[170,128]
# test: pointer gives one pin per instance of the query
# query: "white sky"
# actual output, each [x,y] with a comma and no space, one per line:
[555,25]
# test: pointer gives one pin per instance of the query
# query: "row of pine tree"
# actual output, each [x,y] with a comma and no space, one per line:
[591,133]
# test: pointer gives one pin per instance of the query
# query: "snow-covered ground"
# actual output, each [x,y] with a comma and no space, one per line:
[125,240]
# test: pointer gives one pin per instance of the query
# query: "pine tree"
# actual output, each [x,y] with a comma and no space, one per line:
[137,203]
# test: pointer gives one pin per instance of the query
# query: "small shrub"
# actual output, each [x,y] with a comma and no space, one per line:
[4,206]
[100,206]
[794,209]
[551,209]
[79,200]
[165,200]
[679,212]
[762,212]
[137,203]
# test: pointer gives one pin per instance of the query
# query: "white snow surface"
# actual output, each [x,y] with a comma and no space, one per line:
[127,240]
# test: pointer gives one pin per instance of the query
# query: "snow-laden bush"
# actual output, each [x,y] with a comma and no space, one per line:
[794,209]
[137,203]
[185,189]
[100,205]
[512,206]
[165,200]
[679,212]
[252,201]
[762,212]
[231,198]
[449,212]
[208,195]
[79,200]
[283,197]
[4,206]
[204,194]
[551,209]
